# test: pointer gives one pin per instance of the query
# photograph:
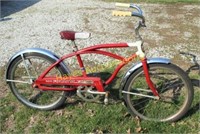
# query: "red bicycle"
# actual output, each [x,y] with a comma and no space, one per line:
[153,89]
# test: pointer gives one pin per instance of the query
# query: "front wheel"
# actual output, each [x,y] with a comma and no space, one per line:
[173,85]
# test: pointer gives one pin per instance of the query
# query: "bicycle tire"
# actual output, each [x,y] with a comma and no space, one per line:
[29,96]
[174,87]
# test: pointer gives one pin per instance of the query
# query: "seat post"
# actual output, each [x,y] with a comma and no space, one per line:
[80,62]
[75,48]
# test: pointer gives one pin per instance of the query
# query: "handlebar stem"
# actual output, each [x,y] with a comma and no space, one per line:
[141,23]
[137,28]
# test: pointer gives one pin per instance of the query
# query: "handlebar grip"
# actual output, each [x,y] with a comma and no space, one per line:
[121,13]
[122,5]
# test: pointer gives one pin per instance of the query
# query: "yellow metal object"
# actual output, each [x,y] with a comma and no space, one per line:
[121,13]
[122,5]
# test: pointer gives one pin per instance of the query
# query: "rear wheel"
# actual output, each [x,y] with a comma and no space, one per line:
[173,86]
[24,70]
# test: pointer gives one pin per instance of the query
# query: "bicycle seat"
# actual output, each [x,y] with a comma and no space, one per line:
[72,35]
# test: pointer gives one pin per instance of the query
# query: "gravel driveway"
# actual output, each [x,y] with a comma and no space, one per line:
[170,28]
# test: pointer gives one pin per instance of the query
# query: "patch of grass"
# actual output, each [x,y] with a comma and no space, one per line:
[22,119]
[85,117]
[156,1]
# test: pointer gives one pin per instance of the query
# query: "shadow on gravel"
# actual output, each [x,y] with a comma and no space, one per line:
[9,7]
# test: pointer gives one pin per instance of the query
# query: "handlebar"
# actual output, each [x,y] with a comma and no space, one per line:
[121,13]
[139,12]
[122,5]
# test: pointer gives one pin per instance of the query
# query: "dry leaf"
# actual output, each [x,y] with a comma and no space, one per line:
[128,131]
[91,112]
[98,132]
[138,130]
[81,105]
[32,120]
[173,124]
[126,114]
[138,120]
[59,112]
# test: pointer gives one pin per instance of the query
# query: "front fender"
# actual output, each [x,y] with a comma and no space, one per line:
[36,50]
[136,66]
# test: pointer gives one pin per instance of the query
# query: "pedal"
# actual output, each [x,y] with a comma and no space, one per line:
[106,98]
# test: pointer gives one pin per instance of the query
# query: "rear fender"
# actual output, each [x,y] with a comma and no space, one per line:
[40,51]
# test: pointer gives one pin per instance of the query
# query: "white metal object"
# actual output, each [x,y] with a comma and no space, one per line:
[19,81]
[137,44]
[140,89]
[82,35]
[148,96]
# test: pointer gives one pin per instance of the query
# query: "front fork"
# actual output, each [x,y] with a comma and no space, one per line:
[147,76]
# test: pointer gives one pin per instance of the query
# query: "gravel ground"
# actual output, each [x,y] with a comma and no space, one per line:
[170,28]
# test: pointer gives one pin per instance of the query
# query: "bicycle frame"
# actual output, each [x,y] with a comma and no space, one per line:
[42,82]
